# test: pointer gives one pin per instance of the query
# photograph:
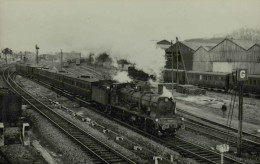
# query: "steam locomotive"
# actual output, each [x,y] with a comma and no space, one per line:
[149,111]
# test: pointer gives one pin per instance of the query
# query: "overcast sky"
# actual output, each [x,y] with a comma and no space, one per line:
[83,25]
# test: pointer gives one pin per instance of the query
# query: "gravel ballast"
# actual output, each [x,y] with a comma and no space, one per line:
[57,139]
[104,121]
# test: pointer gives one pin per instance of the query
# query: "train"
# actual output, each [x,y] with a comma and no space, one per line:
[11,118]
[215,80]
[148,111]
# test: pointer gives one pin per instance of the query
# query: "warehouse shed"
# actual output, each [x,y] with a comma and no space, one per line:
[201,59]
[187,48]
[228,55]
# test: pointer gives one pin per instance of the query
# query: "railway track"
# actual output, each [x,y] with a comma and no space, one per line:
[247,94]
[96,149]
[251,143]
[93,72]
[185,148]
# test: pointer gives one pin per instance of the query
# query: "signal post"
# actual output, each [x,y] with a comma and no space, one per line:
[37,50]
[241,77]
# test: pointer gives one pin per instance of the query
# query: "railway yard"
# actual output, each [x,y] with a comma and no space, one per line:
[129,82]
[67,127]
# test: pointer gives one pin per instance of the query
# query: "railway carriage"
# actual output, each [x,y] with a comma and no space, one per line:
[209,79]
[79,85]
[22,69]
[252,85]
[58,79]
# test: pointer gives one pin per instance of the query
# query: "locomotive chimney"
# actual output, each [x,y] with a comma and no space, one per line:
[160,89]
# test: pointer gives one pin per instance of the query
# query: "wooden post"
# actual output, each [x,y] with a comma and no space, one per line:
[172,67]
[61,59]
[177,76]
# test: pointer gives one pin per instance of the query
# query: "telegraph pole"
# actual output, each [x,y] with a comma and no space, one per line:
[172,67]
[241,77]
[61,59]
[37,49]
[177,76]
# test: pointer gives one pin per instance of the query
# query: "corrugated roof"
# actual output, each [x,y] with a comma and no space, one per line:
[164,42]
[205,43]
[208,44]
[207,48]
[246,44]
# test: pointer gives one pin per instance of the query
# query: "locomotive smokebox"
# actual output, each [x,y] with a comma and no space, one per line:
[160,89]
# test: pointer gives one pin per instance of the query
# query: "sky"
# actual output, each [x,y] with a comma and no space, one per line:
[117,25]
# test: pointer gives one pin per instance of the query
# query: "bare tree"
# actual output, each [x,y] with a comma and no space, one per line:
[5,52]
[246,33]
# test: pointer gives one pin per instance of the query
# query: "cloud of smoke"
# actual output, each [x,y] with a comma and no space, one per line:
[143,54]
[122,77]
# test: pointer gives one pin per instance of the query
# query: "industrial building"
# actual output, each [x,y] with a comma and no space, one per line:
[186,49]
[228,55]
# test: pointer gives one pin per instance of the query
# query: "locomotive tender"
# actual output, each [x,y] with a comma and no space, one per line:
[146,110]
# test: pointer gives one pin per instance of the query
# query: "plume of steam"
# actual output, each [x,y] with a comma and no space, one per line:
[145,55]
[122,77]
[141,52]
[166,93]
